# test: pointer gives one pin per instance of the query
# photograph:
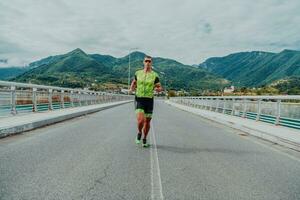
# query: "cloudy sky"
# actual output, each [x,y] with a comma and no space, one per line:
[189,31]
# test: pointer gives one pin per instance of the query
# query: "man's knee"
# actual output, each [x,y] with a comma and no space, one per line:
[147,121]
[140,119]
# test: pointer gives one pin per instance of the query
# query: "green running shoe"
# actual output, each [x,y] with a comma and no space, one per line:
[138,138]
[145,144]
[137,141]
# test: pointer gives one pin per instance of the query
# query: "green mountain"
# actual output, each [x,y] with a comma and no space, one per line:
[74,69]
[78,69]
[7,73]
[290,85]
[255,68]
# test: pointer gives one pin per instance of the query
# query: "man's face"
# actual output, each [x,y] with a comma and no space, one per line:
[148,62]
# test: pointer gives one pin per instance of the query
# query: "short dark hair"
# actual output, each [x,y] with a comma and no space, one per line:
[148,57]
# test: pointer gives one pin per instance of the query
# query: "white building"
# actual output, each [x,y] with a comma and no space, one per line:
[125,91]
[229,90]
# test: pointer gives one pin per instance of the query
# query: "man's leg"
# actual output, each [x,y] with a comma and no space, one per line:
[148,116]
[146,126]
[140,121]
[146,129]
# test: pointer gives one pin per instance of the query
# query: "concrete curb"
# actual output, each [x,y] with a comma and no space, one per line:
[262,133]
[27,126]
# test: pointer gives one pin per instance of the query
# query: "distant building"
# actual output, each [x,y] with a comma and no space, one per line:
[125,91]
[229,90]
[181,93]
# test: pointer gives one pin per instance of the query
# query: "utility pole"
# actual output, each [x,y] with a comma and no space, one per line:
[129,63]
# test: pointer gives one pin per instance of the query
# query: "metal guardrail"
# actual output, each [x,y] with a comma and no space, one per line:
[278,110]
[18,98]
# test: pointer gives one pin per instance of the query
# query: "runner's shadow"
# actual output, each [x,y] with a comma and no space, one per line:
[191,150]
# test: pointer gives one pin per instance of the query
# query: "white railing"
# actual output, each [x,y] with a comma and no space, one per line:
[279,110]
[23,98]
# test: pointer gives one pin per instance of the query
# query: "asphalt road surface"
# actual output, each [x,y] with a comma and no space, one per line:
[95,157]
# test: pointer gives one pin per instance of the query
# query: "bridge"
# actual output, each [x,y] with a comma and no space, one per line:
[80,145]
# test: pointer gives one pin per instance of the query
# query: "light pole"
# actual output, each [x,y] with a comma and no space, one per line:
[132,49]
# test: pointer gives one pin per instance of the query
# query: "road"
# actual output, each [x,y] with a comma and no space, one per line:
[95,157]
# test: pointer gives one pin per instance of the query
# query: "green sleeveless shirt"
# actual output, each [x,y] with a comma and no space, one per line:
[145,83]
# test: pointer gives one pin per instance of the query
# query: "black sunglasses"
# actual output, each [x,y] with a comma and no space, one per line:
[149,61]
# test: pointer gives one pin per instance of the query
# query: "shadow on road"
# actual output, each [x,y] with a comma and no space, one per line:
[187,150]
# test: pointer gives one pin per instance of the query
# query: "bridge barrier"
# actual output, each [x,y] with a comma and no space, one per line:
[278,110]
[17,98]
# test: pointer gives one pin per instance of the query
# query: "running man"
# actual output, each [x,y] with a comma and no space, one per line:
[145,82]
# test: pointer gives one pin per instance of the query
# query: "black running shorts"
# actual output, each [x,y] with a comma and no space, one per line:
[144,105]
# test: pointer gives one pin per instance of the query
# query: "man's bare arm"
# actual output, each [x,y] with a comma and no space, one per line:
[133,85]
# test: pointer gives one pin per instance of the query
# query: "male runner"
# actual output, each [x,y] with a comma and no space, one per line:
[145,81]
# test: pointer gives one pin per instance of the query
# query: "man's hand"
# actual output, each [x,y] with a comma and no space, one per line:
[132,87]
[130,91]
[158,87]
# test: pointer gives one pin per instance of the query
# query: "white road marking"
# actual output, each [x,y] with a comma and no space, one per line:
[156,186]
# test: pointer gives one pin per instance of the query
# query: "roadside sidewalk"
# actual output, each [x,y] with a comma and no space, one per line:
[284,136]
[20,123]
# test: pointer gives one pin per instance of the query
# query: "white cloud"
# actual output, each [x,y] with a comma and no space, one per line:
[189,31]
